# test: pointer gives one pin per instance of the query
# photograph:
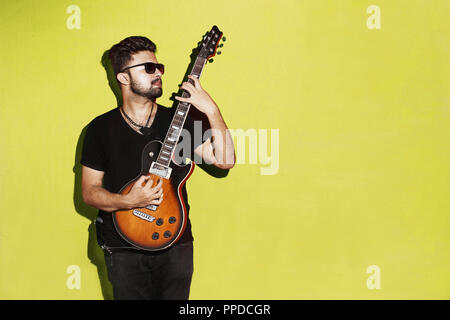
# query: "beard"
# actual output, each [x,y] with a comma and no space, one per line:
[150,93]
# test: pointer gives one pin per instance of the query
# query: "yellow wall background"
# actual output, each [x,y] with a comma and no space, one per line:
[363,118]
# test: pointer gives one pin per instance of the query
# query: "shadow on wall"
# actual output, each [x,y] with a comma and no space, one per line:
[94,252]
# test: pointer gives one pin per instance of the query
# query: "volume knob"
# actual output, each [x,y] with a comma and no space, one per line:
[167,234]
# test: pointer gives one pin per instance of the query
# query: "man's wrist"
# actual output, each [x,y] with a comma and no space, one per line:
[124,201]
[212,111]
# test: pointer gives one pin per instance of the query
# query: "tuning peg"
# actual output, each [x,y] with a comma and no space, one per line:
[224,39]
[219,52]
[211,60]
[220,45]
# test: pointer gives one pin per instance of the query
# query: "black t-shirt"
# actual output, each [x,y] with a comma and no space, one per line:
[112,146]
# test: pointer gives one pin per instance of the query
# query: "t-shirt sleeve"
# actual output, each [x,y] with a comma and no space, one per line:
[93,154]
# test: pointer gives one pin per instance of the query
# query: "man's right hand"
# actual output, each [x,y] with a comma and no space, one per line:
[143,194]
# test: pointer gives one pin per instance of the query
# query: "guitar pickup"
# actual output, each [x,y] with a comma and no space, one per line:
[160,170]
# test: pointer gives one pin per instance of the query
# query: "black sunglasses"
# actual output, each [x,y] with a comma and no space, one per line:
[150,67]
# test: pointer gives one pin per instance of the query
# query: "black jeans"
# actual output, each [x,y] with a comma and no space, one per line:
[142,275]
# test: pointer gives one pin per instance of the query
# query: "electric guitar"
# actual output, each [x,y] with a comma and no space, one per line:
[157,227]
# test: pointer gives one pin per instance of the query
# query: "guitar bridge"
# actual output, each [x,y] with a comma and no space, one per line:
[160,170]
[143,216]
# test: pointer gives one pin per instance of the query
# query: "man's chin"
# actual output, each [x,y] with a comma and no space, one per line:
[153,94]
[158,93]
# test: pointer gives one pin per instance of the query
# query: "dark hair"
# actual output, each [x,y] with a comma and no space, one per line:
[120,53]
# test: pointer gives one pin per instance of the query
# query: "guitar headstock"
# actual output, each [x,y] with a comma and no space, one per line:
[210,43]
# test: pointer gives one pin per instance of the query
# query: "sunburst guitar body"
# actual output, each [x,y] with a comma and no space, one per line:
[156,227]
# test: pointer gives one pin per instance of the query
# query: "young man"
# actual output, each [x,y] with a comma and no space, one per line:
[112,157]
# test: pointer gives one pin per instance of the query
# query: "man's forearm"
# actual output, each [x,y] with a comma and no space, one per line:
[102,199]
[222,142]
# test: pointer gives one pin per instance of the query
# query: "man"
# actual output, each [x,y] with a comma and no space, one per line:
[112,157]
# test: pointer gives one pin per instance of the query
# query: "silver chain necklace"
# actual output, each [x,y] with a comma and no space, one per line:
[143,129]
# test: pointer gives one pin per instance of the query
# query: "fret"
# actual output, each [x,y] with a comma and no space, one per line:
[163,163]
[172,137]
[198,67]
[163,160]
[178,122]
[168,143]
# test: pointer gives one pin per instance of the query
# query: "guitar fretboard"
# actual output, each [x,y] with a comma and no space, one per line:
[174,132]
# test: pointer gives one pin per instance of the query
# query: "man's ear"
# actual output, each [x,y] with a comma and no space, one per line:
[123,78]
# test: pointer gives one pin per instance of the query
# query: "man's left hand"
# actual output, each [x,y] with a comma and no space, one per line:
[199,97]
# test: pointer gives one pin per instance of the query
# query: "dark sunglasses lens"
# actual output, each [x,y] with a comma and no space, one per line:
[150,68]
[160,68]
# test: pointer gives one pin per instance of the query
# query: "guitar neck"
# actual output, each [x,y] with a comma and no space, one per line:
[181,112]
